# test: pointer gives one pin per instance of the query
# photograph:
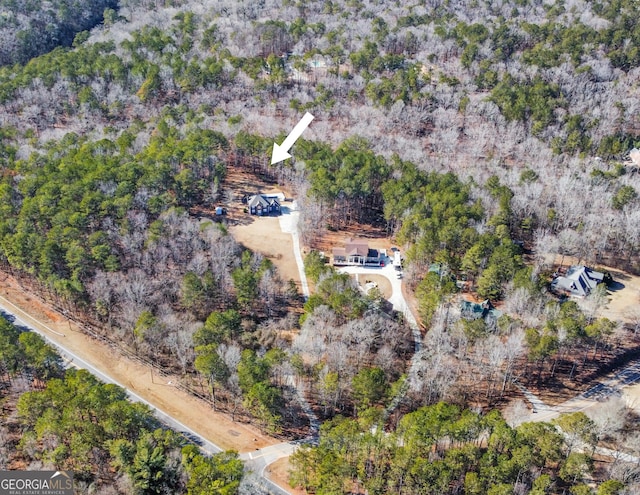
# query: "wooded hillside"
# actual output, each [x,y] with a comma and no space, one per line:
[29,28]
[484,138]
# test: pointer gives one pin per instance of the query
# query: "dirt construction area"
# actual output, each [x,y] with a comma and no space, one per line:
[197,415]
[263,235]
[624,298]
[259,234]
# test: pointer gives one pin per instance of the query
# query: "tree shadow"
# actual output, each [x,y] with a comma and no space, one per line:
[240,219]
[615,286]
[9,317]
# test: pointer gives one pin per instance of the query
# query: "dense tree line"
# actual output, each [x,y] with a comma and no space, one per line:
[27,355]
[71,421]
[433,214]
[349,352]
[60,210]
[30,28]
[493,110]
[346,182]
[429,69]
[443,449]
[103,230]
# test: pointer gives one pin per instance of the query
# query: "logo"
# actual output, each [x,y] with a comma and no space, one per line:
[36,483]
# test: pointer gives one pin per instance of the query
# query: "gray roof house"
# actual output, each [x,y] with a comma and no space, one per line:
[261,204]
[579,281]
[472,311]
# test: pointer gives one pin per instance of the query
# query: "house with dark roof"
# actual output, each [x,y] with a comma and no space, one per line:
[261,204]
[579,281]
[356,252]
[472,311]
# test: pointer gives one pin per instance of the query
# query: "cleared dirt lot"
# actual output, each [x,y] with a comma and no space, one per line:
[259,234]
[263,235]
[278,472]
[631,396]
[624,297]
[382,282]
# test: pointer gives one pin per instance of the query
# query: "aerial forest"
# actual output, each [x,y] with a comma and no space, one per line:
[485,139]
[66,418]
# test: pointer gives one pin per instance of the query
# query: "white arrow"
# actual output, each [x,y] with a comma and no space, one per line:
[280,153]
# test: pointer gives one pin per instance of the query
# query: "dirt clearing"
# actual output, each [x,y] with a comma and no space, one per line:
[278,472]
[377,238]
[381,282]
[623,295]
[631,396]
[263,235]
[259,234]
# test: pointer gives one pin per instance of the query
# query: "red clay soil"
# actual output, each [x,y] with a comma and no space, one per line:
[376,236]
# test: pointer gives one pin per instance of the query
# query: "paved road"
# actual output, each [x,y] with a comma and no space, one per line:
[22,319]
[260,459]
[599,392]
[255,461]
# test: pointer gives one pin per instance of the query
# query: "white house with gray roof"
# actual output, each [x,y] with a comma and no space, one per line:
[579,281]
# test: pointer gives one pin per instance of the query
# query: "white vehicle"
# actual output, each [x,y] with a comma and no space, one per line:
[397,261]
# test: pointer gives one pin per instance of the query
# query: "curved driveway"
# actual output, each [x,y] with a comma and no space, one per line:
[397,297]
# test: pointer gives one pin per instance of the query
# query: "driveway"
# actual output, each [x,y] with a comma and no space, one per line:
[289,224]
[397,299]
